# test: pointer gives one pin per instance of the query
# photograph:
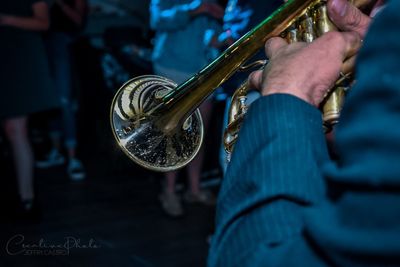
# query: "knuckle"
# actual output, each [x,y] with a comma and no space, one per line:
[354,19]
[269,42]
[255,79]
[273,44]
[353,37]
[335,37]
[269,46]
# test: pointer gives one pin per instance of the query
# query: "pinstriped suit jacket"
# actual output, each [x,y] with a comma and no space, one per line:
[283,202]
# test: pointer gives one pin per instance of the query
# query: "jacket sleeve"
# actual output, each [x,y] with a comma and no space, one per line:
[273,176]
[165,17]
[358,223]
[273,208]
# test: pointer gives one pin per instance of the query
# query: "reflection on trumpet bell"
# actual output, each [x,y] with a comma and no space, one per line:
[138,127]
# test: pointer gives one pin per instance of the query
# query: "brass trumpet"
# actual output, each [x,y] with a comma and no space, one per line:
[156,122]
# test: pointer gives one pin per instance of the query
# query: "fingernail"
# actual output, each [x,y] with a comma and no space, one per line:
[340,7]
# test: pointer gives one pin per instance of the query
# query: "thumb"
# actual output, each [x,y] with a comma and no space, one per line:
[343,44]
[347,17]
[255,79]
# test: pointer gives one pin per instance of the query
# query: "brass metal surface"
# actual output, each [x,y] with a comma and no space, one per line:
[138,135]
[312,23]
[194,91]
[148,126]
[156,122]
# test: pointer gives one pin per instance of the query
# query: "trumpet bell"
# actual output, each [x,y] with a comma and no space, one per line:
[137,126]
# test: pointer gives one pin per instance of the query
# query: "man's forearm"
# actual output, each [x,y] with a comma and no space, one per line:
[274,174]
[76,14]
[26,23]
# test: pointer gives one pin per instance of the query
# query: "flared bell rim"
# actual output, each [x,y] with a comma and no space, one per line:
[132,156]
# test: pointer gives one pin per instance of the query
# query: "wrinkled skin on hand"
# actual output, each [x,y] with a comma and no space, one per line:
[308,71]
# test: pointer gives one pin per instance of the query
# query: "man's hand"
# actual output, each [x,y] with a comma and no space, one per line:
[349,18]
[305,70]
[308,71]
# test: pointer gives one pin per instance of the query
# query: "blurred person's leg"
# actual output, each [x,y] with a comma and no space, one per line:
[60,57]
[75,167]
[17,133]
[54,157]
[170,201]
[169,198]
[170,178]
[195,167]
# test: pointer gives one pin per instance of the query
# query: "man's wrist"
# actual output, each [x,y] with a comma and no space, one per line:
[280,105]
[294,92]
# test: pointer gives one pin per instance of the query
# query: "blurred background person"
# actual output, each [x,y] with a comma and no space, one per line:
[117,207]
[181,50]
[240,17]
[67,19]
[25,84]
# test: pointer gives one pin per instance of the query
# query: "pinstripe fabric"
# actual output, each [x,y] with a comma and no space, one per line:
[274,174]
[284,203]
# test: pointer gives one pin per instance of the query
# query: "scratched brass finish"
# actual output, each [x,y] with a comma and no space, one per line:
[151,116]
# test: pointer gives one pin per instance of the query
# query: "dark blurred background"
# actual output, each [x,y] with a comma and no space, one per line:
[116,208]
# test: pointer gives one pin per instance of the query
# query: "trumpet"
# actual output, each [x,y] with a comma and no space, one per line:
[157,122]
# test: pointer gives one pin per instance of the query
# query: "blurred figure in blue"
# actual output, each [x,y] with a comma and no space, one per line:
[67,20]
[181,50]
[240,17]
[243,15]
[25,84]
